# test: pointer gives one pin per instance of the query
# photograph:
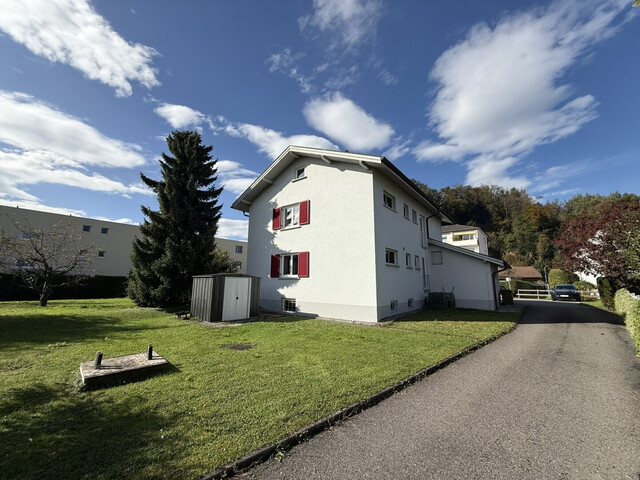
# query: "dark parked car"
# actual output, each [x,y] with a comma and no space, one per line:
[565,291]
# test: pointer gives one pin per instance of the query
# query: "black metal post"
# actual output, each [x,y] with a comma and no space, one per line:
[98,361]
[150,352]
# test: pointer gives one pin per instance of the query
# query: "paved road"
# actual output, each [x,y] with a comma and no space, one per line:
[559,398]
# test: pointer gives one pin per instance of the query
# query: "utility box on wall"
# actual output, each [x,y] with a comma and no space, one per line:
[225,297]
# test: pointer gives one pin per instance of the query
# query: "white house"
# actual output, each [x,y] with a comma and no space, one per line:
[349,236]
[112,240]
[464,236]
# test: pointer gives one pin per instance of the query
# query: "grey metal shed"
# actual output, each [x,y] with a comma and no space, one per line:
[225,297]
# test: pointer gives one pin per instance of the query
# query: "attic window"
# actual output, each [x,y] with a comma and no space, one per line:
[299,174]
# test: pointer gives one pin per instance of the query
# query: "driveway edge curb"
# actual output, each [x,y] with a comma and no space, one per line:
[263,454]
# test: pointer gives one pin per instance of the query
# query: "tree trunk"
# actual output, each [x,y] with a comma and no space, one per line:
[45,294]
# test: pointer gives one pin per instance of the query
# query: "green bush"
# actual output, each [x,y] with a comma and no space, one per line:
[557,276]
[607,287]
[629,308]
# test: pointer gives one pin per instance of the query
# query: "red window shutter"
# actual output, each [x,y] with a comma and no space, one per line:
[275,266]
[276,219]
[303,264]
[304,213]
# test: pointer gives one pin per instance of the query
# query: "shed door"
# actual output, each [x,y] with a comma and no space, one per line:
[236,298]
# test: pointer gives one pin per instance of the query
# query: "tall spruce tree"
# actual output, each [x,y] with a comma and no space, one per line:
[177,240]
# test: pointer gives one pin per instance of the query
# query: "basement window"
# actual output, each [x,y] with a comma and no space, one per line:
[410,303]
[393,305]
[289,305]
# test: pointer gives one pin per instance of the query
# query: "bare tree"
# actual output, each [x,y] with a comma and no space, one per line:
[51,257]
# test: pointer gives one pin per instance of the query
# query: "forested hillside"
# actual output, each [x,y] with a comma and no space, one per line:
[588,232]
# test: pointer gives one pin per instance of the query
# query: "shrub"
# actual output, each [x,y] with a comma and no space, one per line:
[629,307]
[98,286]
[606,289]
[557,276]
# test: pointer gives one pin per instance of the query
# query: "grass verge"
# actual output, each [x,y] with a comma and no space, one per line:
[223,401]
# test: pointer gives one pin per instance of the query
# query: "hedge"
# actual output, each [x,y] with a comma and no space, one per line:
[99,286]
[629,308]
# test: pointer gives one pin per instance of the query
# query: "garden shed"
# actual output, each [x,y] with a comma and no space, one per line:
[225,297]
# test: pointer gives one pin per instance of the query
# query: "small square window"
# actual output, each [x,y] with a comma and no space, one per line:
[104,230]
[407,260]
[389,200]
[391,256]
[393,305]
[238,248]
[405,211]
[436,258]
[289,304]
[410,303]
[101,253]
[414,216]
[299,173]
[86,228]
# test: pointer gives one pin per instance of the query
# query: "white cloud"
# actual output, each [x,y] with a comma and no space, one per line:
[350,23]
[20,168]
[234,177]
[44,145]
[344,121]
[34,205]
[287,62]
[73,33]
[229,228]
[500,91]
[398,149]
[29,124]
[124,220]
[273,143]
[180,116]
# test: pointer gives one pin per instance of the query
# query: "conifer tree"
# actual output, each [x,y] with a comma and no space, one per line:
[177,240]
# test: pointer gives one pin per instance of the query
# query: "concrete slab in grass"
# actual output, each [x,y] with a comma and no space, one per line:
[118,369]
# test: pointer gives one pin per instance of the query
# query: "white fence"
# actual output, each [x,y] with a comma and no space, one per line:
[546,294]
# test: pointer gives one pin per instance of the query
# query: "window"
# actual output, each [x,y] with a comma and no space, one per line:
[290,265]
[389,200]
[86,228]
[410,303]
[104,230]
[414,216]
[29,235]
[463,236]
[391,256]
[436,258]
[291,215]
[407,260]
[416,262]
[289,304]
[299,174]
[405,211]
[393,305]
[101,253]
[238,248]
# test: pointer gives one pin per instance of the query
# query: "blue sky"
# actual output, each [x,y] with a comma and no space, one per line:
[537,95]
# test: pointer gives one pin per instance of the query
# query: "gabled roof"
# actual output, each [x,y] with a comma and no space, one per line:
[366,162]
[521,272]
[459,228]
[470,253]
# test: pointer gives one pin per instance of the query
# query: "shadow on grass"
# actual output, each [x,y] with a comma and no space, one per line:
[39,329]
[55,432]
[454,315]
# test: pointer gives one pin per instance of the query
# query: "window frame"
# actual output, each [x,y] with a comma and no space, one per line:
[104,230]
[392,198]
[86,228]
[290,301]
[405,211]
[292,264]
[416,262]
[296,176]
[295,218]
[393,305]
[414,216]
[388,251]
[239,247]
[433,257]
[407,260]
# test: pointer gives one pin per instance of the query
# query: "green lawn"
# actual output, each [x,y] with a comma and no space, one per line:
[220,403]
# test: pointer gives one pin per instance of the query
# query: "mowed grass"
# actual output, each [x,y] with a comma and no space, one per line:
[218,404]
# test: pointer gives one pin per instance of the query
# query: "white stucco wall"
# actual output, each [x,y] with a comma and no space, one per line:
[470,278]
[393,230]
[339,239]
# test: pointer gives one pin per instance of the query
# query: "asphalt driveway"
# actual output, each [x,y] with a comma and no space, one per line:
[558,398]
